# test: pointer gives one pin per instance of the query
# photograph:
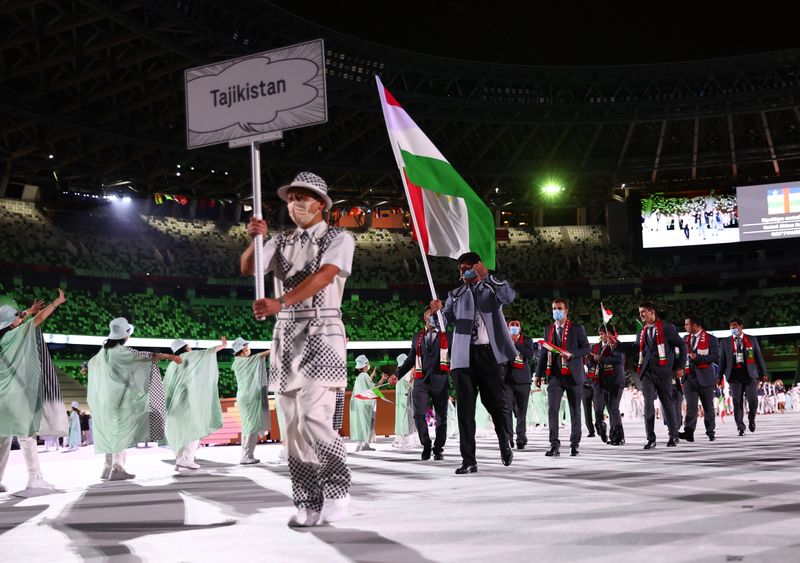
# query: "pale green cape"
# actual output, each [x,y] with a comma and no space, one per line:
[193,407]
[118,396]
[361,411]
[252,397]
[403,424]
[20,382]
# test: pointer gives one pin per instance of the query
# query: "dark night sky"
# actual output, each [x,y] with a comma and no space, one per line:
[575,33]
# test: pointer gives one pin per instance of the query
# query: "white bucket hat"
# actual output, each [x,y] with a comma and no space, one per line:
[177,344]
[120,328]
[8,315]
[401,359]
[309,181]
[75,405]
[361,362]
[238,344]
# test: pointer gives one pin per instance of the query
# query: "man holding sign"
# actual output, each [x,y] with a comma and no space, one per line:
[561,359]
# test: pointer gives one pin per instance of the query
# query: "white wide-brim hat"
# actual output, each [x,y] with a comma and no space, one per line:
[8,315]
[401,359]
[238,344]
[309,181]
[75,405]
[177,344]
[120,328]
[361,362]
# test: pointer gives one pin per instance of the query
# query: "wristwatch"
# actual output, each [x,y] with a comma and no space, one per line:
[281,301]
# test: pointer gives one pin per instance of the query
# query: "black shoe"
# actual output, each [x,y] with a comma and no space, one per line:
[521,444]
[711,437]
[752,427]
[507,456]
[553,452]
[591,435]
[511,444]
[438,456]
[426,451]
[573,451]
[672,442]
[604,437]
[688,436]
[741,431]
[650,445]
[464,469]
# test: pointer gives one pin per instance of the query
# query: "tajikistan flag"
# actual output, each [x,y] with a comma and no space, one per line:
[452,219]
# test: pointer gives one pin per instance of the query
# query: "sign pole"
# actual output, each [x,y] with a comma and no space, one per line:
[258,242]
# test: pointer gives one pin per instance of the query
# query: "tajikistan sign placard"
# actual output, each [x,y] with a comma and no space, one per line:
[273,91]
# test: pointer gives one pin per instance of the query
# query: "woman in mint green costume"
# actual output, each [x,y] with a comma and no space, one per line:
[252,396]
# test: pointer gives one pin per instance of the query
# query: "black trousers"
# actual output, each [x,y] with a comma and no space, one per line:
[588,403]
[483,375]
[677,403]
[556,387]
[517,398]
[608,398]
[662,387]
[692,390]
[742,385]
[423,394]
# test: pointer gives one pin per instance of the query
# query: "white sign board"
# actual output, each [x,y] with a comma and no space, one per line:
[247,97]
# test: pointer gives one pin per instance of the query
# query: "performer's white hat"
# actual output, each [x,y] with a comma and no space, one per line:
[7,316]
[361,361]
[177,344]
[238,344]
[309,181]
[401,359]
[75,405]
[120,328]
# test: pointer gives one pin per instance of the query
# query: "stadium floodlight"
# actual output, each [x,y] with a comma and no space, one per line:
[552,188]
[126,200]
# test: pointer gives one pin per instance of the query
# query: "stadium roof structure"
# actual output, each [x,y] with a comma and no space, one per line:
[99,86]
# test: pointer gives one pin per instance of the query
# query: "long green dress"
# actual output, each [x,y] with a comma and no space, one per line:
[74,439]
[252,395]
[361,410]
[193,407]
[403,423]
[20,382]
[118,396]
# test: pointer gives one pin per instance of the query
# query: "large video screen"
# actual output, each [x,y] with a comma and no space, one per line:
[770,211]
[689,219]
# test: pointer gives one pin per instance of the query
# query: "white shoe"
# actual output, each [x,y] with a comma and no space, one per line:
[283,456]
[367,448]
[335,509]
[119,474]
[304,518]
[249,461]
[185,463]
[38,483]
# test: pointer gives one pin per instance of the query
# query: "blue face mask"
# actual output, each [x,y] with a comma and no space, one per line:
[558,314]
[432,322]
[735,332]
[469,274]
[514,330]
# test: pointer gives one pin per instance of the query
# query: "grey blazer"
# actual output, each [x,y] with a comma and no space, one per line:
[705,376]
[727,360]
[490,294]
[577,344]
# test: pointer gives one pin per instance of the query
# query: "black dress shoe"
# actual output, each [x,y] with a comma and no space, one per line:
[507,456]
[438,456]
[591,434]
[650,445]
[688,436]
[553,452]
[672,442]
[464,469]
[741,432]
[426,451]
[573,451]
[752,427]
[711,437]
[521,444]
[604,437]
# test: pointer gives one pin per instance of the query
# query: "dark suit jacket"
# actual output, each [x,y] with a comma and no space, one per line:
[526,348]
[727,359]
[577,344]
[431,366]
[616,359]
[705,376]
[671,341]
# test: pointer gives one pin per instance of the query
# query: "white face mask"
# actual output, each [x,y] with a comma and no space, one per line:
[300,212]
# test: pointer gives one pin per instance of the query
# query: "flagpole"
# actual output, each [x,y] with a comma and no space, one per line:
[401,168]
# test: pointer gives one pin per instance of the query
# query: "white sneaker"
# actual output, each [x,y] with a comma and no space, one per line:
[304,518]
[119,474]
[249,461]
[185,463]
[335,509]
[38,483]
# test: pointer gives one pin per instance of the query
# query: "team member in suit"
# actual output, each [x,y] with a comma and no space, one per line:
[702,350]
[565,373]
[742,365]
[481,345]
[658,367]
[428,358]
[518,382]
[607,366]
